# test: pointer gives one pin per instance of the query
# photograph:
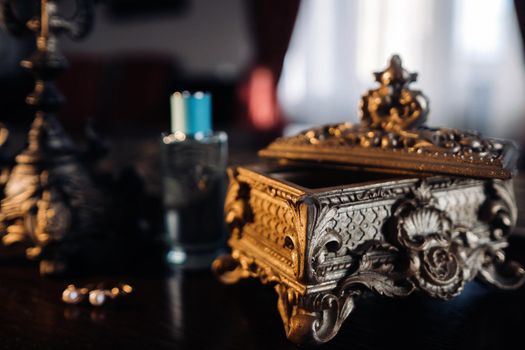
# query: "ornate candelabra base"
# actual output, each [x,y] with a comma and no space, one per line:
[49,198]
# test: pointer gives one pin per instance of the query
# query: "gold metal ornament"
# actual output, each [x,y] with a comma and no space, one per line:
[49,197]
[333,217]
[393,107]
[392,136]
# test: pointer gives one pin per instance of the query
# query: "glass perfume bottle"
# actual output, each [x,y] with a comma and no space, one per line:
[194,184]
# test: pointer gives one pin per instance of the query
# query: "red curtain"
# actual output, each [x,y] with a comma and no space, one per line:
[272,23]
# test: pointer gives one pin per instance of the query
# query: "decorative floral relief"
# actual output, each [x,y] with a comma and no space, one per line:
[433,236]
[442,141]
[443,256]
[392,118]
[421,249]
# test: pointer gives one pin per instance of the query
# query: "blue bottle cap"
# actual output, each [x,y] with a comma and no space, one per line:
[198,113]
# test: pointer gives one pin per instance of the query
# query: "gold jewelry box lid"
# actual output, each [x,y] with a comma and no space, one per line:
[392,136]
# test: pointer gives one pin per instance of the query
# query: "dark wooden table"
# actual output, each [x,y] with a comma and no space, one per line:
[194,311]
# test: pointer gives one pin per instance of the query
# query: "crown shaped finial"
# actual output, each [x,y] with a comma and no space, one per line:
[393,106]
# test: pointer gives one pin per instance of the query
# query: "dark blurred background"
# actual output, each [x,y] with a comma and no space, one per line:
[278,66]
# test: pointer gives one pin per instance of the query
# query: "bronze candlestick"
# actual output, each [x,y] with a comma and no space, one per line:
[49,199]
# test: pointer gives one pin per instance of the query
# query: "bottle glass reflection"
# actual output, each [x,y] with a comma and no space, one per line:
[194,184]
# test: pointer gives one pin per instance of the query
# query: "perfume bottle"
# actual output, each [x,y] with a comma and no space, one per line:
[194,160]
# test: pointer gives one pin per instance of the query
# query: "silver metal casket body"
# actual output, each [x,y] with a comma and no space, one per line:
[323,222]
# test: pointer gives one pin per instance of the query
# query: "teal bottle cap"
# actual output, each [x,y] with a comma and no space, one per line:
[199,113]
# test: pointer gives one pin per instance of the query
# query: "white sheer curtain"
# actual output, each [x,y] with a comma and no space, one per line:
[468,54]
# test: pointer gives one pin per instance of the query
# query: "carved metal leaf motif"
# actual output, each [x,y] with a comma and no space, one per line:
[382,284]
[433,236]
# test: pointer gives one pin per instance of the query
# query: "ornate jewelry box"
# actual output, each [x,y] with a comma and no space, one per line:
[388,206]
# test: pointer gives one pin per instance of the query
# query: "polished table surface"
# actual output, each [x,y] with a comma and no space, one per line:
[194,311]
[176,310]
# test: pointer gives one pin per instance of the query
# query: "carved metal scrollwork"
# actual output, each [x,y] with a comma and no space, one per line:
[324,247]
[438,257]
[425,252]
[421,249]
[500,213]
[314,318]
[392,135]
[330,244]
[236,208]
[429,239]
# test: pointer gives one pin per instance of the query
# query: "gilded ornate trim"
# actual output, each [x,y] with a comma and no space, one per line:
[392,135]
[324,247]
[409,237]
